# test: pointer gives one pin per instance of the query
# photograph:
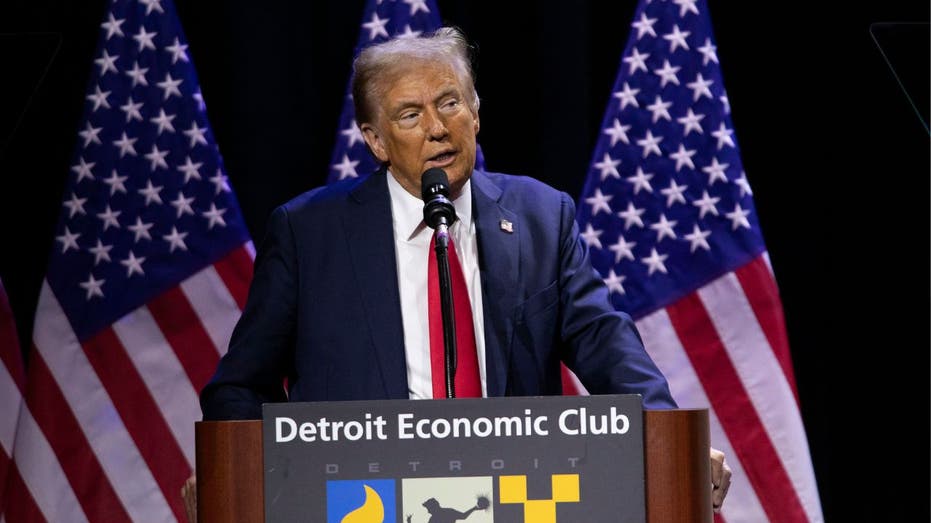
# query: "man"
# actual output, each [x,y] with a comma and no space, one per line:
[337,306]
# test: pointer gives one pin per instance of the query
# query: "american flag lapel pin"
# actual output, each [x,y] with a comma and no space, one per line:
[507,226]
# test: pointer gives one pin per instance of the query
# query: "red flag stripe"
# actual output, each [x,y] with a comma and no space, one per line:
[95,413]
[10,354]
[236,272]
[25,509]
[733,407]
[10,400]
[214,305]
[184,332]
[667,351]
[759,286]
[50,426]
[140,415]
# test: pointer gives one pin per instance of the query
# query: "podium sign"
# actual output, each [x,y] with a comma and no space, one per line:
[527,459]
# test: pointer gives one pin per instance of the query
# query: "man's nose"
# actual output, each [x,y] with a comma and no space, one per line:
[435,125]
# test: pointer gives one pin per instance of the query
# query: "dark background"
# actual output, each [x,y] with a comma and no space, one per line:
[836,152]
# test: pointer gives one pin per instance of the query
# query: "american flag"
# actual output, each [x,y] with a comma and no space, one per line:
[12,384]
[668,216]
[147,276]
[382,20]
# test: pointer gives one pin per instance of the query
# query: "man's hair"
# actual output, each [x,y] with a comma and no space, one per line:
[446,45]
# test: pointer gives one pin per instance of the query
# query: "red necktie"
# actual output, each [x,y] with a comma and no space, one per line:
[468,383]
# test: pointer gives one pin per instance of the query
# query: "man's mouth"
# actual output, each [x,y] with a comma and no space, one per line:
[443,158]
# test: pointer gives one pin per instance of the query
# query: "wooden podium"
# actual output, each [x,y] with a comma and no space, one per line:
[676,444]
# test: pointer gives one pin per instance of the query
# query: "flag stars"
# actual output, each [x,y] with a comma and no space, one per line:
[677,38]
[417,5]
[608,167]
[178,51]
[738,217]
[125,144]
[614,282]
[632,216]
[69,240]
[151,194]
[618,133]
[99,98]
[133,265]
[106,63]
[140,230]
[743,184]
[109,218]
[83,169]
[627,96]
[660,109]
[144,39]
[115,181]
[75,205]
[112,25]
[214,216]
[700,88]
[716,171]
[182,204]
[641,180]
[709,52]
[644,26]
[157,158]
[137,74]
[691,122]
[650,144]
[685,6]
[151,5]
[683,157]
[590,235]
[599,202]
[190,169]
[376,27]
[674,193]
[196,135]
[346,168]
[706,204]
[170,86]
[93,287]
[90,134]
[175,240]
[667,74]
[636,61]
[663,228]
[163,121]
[623,249]
[219,181]
[654,262]
[723,134]
[408,33]
[100,252]
[132,110]
[352,134]
[698,239]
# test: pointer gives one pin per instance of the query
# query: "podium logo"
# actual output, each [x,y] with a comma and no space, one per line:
[513,489]
[361,501]
[468,499]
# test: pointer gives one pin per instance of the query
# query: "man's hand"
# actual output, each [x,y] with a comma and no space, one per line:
[189,495]
[720,479]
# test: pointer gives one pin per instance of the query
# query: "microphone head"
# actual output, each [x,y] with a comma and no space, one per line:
[433,181]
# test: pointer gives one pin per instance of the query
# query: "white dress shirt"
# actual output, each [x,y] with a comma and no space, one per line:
[412,250]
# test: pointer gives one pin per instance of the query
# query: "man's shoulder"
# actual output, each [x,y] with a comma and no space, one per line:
[519,189]
[324,199]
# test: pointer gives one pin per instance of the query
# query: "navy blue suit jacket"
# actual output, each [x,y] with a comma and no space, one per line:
[324,307]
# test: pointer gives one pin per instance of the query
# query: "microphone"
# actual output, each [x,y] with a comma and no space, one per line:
[438,211]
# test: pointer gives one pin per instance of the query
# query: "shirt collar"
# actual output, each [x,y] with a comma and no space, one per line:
[407,209]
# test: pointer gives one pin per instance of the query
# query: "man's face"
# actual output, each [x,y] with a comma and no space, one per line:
[424,120]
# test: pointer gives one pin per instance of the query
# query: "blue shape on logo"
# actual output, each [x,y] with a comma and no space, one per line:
[361,501]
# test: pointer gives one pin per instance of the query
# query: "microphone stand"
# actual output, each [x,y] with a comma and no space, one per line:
[441,246]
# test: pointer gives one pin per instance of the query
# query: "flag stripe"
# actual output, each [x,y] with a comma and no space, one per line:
[53,455]
[214,305]
[96,416]
[236,271]
[25,507]
[164,377]
[730,400]
[758,285]
[768,389]
[186,335]
[667,351]
[10,354]
[140,414]
[10,400]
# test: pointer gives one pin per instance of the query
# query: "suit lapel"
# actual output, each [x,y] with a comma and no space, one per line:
[499,252]
[371,244]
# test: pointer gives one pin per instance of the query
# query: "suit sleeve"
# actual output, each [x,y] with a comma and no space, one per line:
[603,346]
[253,370]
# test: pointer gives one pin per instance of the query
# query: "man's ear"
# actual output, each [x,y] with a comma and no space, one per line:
[373,140]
